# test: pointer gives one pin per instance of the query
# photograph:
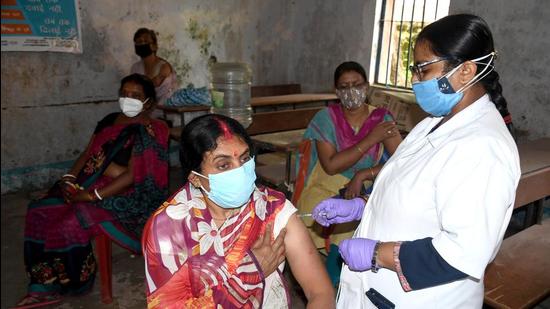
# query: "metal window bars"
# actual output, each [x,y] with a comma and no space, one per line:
[400,22]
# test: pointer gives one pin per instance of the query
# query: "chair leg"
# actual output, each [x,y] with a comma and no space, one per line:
[103,251]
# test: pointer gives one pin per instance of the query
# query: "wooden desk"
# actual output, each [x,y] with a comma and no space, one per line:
[286,142]
[534,184]
[278,100]
[519,277]
[292,99]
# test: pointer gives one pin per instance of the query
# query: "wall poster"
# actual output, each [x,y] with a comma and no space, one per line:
[41,25]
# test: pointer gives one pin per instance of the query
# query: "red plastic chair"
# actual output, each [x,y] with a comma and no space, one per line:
[103,249]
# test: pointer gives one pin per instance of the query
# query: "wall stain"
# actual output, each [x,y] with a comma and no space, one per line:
[199,34]
[171,53]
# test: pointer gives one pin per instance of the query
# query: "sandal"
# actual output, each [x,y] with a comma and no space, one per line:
[35,301]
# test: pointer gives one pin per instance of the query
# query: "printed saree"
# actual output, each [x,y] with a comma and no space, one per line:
[190,262]
[57,249]
[313,184]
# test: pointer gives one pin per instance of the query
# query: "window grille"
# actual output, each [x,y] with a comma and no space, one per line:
[400,23]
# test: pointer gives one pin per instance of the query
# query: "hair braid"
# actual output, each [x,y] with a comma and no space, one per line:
[493,87]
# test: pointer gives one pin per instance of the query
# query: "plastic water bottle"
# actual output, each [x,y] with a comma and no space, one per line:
[230,84]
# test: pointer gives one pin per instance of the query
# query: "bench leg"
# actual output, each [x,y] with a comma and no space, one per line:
[288,167]
[533,213]
[104,253]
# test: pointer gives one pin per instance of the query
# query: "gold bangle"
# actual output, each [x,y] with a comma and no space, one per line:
[371,173]
[359,148]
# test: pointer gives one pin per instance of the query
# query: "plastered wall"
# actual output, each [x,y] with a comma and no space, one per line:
[52,101]
[521,31]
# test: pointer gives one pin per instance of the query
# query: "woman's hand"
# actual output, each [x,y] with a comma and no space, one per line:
[353,188]
[357,253]
[335,210]
[383,131]
[269,255]
[68,189]
[81,196]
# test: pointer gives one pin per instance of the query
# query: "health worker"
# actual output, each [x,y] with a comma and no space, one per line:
[441,204]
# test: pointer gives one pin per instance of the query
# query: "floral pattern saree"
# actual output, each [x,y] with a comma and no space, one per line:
[190,262]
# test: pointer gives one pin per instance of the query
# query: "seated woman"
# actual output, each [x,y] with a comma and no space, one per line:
[113,187]
[157,69]
[220,242]
[344,148]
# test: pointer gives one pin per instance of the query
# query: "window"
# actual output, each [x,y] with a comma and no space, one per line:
[400,23]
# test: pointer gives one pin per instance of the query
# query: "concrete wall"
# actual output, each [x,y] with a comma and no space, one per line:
[52,101]
[521,31]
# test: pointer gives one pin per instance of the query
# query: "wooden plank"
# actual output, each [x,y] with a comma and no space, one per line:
[280,141]
[271,90]
[292,99]
[271,122]
[533,186]
[260,102]
[286,120]
[275,174]
[534,155]
[519,277]
[534,183]
[183,109]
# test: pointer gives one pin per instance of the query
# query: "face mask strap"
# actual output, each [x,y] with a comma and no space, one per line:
[477,78]
[199,174]
[451,72]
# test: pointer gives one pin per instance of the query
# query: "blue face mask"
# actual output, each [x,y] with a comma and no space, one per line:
[231,189]
[437,97]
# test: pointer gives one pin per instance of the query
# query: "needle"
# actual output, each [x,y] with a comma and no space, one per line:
[322,214]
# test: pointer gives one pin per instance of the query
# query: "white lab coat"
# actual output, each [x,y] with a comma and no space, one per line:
[456,185]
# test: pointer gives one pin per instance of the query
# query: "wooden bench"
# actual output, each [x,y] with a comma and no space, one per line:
[271,90]
[519,277]
[280,132]
[271,122]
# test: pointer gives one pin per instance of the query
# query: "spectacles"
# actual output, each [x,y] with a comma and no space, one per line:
[417,69]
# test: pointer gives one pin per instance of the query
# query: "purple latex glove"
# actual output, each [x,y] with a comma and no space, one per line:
[334,210]
[357,253]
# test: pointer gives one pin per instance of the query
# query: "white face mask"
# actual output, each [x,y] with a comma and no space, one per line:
[131,107]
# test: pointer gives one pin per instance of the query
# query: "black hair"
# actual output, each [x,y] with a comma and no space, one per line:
[347,67]
[464,37]
[145,82]
[142,31]
[201,134]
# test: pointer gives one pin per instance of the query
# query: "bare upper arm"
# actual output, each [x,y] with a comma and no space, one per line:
[391,143]
[165,70]
[325,152]
[305,261]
